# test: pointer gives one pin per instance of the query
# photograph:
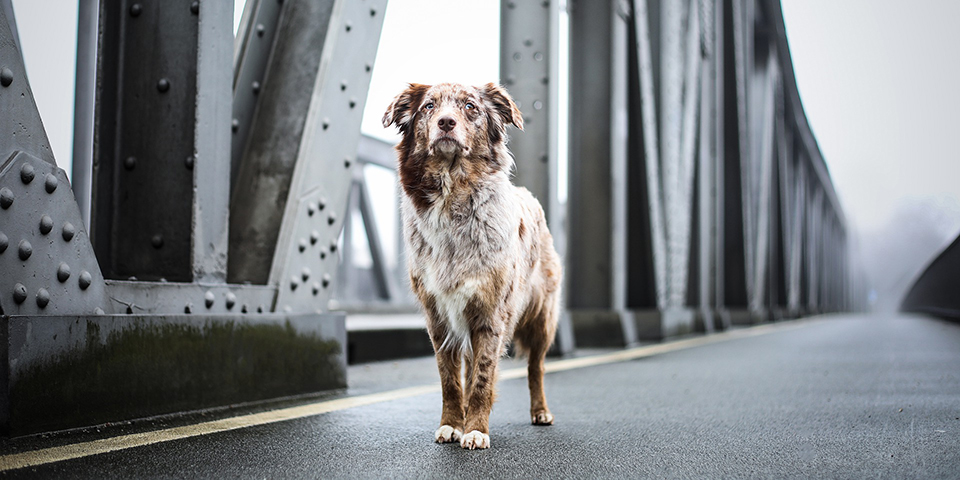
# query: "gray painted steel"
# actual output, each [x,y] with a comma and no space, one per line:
[936,290]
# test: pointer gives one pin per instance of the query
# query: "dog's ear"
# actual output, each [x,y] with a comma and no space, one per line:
[403,107]
[498,98]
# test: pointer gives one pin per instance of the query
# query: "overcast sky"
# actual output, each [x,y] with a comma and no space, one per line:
[877,78]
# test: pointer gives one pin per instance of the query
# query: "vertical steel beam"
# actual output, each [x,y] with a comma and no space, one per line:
[83,111]
[159,210]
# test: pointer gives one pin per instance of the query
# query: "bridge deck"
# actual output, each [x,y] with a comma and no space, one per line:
[845,396]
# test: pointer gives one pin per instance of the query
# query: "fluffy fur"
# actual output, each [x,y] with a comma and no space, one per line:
[482,261]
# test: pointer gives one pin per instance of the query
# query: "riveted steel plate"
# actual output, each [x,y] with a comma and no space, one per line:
[327,152]
[47,263]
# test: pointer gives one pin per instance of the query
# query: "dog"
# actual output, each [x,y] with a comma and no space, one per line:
[481,259]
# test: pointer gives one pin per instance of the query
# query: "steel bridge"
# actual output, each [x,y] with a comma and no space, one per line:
[201,256]
[212,179]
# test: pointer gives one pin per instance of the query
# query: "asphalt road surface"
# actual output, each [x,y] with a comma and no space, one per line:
[835,397]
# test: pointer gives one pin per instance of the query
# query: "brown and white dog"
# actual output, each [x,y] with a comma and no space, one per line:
[481,259]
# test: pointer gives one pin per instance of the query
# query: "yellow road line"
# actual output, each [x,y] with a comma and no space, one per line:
[112,444]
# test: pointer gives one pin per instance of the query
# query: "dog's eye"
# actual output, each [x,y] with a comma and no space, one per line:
[469,106]
[428,106]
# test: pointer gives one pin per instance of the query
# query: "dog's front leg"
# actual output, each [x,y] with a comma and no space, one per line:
[486,353]
[451,418]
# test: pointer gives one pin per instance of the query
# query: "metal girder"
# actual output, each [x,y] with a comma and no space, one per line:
[159,209]
[321,174]
[46,259]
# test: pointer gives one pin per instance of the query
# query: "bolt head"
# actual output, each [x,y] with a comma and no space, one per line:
[189,161]
[43,298]
[163,85]
[6,76]
[294,283]
[129,163]
[195,8]
[305,274]
[27,173]
[19,293]
[231,300]
[50,183]
[46,224]
[25,250]
[84,280]
[6,198]
[68,231]
[325,281]
[157,241]
[208,299]
[135,10]
[63,272]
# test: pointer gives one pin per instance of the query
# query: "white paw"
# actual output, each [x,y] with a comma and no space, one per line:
[447,434]
[542,418]
[475,439]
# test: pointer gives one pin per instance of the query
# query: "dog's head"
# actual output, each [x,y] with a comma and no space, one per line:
[453,121]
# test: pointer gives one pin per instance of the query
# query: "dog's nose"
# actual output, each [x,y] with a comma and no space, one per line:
[446,123]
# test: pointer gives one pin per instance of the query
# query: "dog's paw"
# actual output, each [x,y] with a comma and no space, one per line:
[447,434]
[542,418]
[475,439]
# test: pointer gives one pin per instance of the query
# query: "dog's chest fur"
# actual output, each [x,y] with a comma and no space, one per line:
[463,240]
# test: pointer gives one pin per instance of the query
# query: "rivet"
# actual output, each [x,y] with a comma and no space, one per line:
[6,198]
[243,308]
[294,283]
[346,163]
[259,308]
[538,56]
[545,80]
[132,278]
[343,86]
[6,76]
[353,102]
[261,29]
[528,42]
[314,236]
[189,161]
[84,280]
[26,173]
[25,250]
[326,123]
[545,4]
[129,163]
[349,27]
[188,308]
[43,297]
[235,125]
[4,241]
[50,182]
[287,309]
[325,281]
[98,311]
[129,308]
[333,246]
[373,12]
[157,241]
[332,219]
[46,224]
[163,85]
[311,207]
[367,67]
[135,10]
[302,246]
[321,204]
[256,87]
[511,5]
[315,288]
[208,299]
[195,8]
[323,255]
[231,300]
[516,57]
[68,231]
[305,274]
[19,293]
